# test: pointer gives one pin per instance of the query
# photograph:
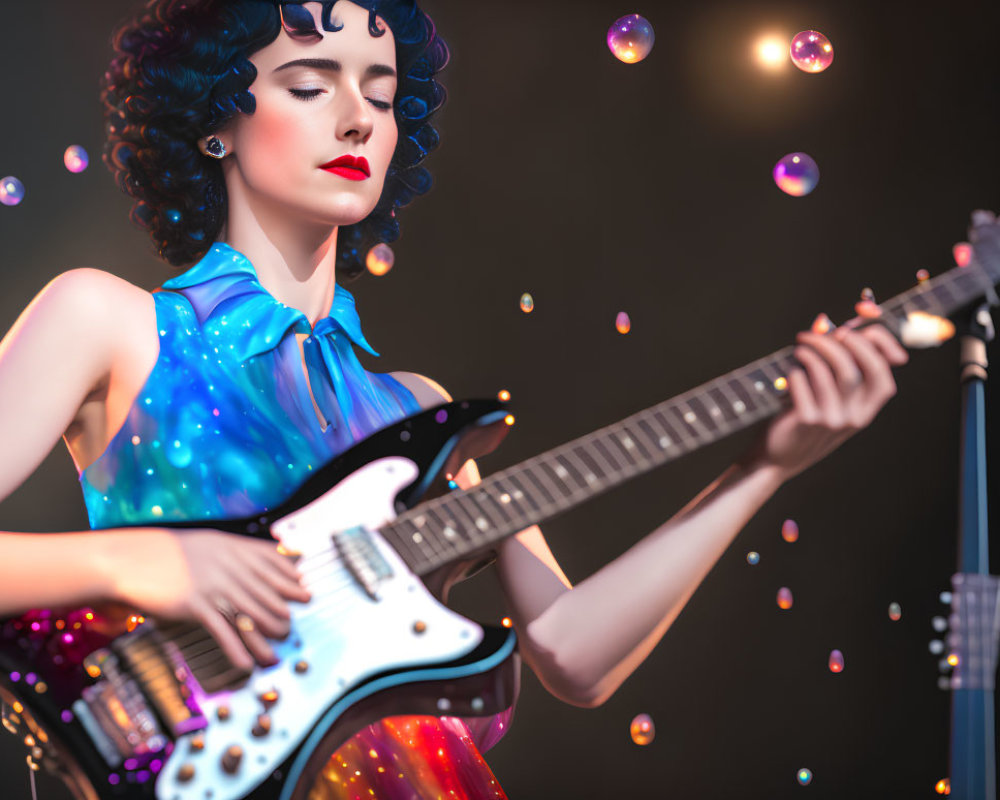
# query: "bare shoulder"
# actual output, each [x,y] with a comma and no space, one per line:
[94,302]
[426,392]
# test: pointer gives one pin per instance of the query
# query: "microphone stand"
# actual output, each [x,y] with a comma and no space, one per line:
[974,600]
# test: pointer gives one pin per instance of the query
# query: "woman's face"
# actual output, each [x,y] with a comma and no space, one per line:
[318,101]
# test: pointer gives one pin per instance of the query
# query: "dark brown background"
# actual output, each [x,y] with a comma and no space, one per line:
[602,187]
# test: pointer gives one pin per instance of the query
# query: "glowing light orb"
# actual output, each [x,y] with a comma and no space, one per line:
[11,191]
[943,786]
[962,253]
[936,646]
[506,622]
[642,729]
[923,275]
[895,612]
[796,174]
[836,662]
[785,598]
[622,323]
[631,38]
[940,624]
[503,395]
[811,51]
[753,558]
[771,52]
[76,159]
[790,531]
[380,259]
[804,776]
[953,660]
[527,303]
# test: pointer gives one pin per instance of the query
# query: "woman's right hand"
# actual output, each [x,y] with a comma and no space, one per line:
[217,579]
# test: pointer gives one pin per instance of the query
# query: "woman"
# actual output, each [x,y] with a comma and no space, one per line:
[270,141]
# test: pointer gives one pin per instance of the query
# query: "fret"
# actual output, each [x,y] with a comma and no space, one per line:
[556,479]
[686,419]
[645,424]
[596,457]
[425,544]
[702,414]
[676,437]
[572,467]
[451,531]
[725,404]
[607,456]
[615,440]
[404,545]
[474,533]
[641,448]
[548,499]
[941,294]
[513,504]
[587,465]
[522,492]
[490,506]
[744,400]
[966,281]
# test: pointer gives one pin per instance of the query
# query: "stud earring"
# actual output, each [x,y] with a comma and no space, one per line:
[213,147]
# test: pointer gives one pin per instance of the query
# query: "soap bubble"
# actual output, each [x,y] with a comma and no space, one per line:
[380,259]
[631,38]
[804,776]
[527,303]
[753,558]
[11,191]
[895,612]
[622,323]
[811,51]
[642,729]
[76,159]
[784,598]
[796,174]
[836,662]
[790,531]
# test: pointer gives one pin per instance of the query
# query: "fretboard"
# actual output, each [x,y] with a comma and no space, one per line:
[462,522]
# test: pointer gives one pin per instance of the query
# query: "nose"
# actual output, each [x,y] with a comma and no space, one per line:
[354,115]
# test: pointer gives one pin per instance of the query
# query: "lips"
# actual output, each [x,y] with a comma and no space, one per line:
[354,168]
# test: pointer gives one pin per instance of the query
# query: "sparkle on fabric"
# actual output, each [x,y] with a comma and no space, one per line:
[631,38]
[642,729]
[811,51]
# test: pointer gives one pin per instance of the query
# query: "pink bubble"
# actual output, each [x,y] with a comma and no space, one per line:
[811,51]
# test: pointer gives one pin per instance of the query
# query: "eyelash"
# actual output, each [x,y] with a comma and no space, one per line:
[312,94]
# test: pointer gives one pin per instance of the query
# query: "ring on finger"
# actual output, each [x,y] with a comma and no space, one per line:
[244,624]
[227,610]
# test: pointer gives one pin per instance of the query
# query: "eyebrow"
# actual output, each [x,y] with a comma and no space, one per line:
[329,65]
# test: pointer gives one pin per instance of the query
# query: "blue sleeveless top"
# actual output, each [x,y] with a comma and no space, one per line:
[224,425]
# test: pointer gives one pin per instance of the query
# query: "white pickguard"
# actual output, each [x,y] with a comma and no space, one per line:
[342,634]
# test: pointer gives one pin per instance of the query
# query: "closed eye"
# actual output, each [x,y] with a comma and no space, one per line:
[306,94]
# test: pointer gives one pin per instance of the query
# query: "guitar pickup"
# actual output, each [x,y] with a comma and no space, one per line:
[362,559]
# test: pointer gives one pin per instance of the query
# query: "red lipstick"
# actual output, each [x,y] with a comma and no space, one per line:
[354,168]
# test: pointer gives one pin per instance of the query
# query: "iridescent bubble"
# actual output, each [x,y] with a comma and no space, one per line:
[785,599]
[753,558]
[642,729]
[380,259]
[527,303]
[790,531]
[836,662]
[895,612]
[631,38]
[796,174]
[76,159]
[11,191]
[811,51]
[622,323]
[804,776]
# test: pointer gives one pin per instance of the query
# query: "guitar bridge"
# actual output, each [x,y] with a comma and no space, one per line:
[363,559]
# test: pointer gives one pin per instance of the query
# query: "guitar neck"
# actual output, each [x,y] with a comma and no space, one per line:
[462,522]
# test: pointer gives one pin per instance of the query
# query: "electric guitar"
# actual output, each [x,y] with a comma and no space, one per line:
[160,713]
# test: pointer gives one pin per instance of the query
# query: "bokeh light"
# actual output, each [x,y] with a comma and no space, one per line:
[943,786]
[790,531]
[796,174]
[785,599]
[771,52]
[622,323]
[380,259]
[631,38]
[527,303]
[753,558]
[11,191]
[804,776]
[895,612]
[836,662]
[962,253]
[75,158]
[811,51]
[642,729]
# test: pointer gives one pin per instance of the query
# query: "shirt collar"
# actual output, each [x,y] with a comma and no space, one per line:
[230,301]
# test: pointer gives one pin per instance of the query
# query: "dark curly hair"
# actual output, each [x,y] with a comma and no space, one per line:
[182,71]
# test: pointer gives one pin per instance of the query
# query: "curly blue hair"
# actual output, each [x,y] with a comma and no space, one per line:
[182,71]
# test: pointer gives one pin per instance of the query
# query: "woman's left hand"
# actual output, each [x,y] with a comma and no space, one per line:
[845,380]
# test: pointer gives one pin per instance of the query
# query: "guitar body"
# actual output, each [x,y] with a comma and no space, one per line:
[159,713]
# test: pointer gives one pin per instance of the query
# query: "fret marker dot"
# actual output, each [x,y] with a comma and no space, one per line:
[591,478]
[781,384]
[561,471]
[715,411]
[739,407]
[450,533]
[505,498]
[420,521]
[482,524]
[690,417]
[664,442]
[518,494]
[628,444]
[418,538]
[759,386]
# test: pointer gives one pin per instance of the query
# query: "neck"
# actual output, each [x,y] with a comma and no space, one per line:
[295,260]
